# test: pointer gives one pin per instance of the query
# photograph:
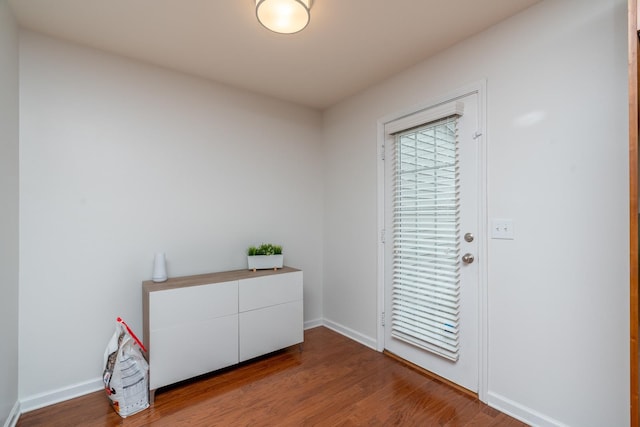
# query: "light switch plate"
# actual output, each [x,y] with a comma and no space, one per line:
[502,228]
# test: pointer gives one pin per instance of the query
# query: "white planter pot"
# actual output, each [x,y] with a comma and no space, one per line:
[265,262]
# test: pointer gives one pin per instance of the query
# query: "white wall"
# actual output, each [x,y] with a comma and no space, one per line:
[558,293]
[119,160]
[8,213]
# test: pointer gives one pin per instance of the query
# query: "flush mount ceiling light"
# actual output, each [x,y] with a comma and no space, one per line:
[284,16]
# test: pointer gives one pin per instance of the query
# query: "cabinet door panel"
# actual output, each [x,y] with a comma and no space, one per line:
[269,329]
[187,350]
[192,304]
[270,290]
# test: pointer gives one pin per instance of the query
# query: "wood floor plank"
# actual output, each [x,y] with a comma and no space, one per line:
[333,381]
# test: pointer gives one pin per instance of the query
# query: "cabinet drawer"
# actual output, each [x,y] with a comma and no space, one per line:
[265,291]
[184,351]
[270,329]
[192,304]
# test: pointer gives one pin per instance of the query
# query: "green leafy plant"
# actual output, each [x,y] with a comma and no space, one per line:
[264,249]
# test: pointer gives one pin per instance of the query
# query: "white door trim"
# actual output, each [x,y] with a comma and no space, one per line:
[479,87]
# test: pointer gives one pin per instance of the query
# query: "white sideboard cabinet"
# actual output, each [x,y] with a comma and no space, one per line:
[197,324]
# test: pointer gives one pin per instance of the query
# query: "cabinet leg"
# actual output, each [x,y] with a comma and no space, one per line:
[152,396]
[300,347]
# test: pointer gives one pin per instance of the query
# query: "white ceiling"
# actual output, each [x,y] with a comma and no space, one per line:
[348,45]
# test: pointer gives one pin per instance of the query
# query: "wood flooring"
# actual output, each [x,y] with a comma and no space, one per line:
[333,381]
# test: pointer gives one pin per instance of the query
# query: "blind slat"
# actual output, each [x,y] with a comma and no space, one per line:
[424,311]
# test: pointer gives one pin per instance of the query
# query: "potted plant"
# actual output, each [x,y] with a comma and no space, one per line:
[265,256]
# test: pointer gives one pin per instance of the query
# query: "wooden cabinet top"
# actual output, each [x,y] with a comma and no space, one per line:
[209,278]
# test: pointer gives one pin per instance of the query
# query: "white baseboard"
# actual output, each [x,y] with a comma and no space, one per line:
[521,412]
[12,419]
[55,396]
[350,333]
[310,324]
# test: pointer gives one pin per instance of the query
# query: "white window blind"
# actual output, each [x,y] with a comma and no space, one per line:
[426,208]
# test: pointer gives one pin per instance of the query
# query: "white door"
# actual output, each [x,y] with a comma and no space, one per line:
[432,231]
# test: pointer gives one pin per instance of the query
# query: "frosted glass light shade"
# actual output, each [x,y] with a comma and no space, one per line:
[284,16]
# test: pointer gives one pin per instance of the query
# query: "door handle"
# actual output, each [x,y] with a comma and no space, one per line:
[467,258]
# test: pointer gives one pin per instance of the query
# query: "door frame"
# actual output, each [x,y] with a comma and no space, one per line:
[479,87]
[634,99]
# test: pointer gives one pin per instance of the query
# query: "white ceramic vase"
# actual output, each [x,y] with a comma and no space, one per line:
[159,268]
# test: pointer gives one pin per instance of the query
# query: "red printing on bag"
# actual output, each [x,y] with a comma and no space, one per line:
[119,320]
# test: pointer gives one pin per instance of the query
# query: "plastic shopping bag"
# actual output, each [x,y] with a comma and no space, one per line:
[126,372]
